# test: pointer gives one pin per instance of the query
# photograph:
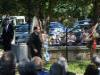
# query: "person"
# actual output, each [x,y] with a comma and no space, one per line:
[71,39]
[84,36]
[35,43]
[7,64]
[45,46]
[59,67]
[37,61]
[7,33]
[94,67]
[26,68]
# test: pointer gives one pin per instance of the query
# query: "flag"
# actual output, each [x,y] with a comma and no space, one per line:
[94,44]
[94,37]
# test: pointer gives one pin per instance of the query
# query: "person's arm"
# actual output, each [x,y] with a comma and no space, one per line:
[34,48]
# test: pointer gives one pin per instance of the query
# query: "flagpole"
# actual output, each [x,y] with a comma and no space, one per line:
[93,47]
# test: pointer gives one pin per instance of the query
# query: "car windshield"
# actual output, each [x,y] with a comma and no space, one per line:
[22,28]
[56,25]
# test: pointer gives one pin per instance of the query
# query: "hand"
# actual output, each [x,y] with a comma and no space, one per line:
[35,50]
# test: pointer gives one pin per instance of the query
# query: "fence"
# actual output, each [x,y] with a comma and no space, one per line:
[71,52]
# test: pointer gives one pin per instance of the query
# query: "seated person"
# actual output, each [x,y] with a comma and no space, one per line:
[26,68]
[39,66]
[94,67]
[7,64]
[60,67]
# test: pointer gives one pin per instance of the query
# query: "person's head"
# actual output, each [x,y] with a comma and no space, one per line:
[37,62]
[63,62]
[58,68]
[5,22]
[37,29]
[8,57]
[27,68]
[96,60]
[7,66]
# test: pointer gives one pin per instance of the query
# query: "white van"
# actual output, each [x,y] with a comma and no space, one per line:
[18,19]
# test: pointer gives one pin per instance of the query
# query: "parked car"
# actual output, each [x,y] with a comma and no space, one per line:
[21,34]
[78,26]
[56,27]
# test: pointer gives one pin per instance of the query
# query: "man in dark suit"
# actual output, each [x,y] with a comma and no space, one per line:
[7,34]
[35,43]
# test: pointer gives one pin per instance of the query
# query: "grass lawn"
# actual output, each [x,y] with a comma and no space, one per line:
[78,67]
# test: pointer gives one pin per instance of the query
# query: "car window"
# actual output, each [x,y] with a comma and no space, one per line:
[98,28]
[22,28]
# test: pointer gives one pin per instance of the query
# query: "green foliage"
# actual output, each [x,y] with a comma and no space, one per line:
[8,6]
[75,8]
[77,67]
[68,22]
[53,8]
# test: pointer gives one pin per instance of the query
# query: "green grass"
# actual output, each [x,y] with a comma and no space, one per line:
[77,67]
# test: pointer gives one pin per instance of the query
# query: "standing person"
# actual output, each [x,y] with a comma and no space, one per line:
[35,43]
[84,37]
[45,45]
[71,39]
[7,33]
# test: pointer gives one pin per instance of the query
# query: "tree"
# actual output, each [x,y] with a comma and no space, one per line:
[8,7]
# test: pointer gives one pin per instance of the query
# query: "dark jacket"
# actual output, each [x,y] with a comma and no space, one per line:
[91,70]
[35,41]
[57,69]
[27,68]
[8,34]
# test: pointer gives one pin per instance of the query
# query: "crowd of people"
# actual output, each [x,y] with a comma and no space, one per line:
[35,66]
[72,38]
